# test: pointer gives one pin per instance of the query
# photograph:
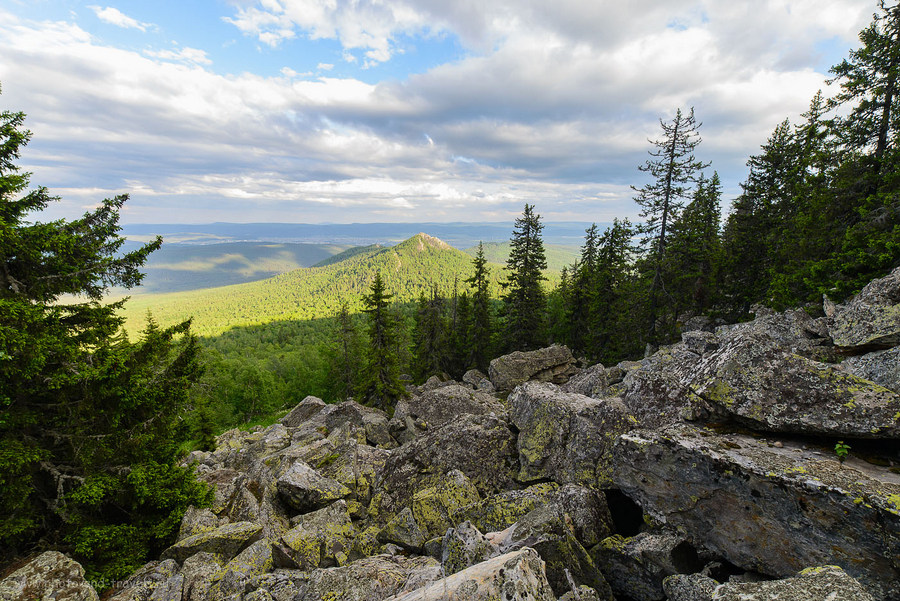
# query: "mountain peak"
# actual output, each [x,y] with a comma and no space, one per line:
[422,240]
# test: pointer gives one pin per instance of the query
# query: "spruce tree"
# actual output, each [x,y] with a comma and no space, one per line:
[524,301]
[673,168]
[90,422]
[344,355]
[616,312]
[380,384]
[431,339]
[482,329]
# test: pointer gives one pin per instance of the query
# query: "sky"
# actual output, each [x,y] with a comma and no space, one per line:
[343,111]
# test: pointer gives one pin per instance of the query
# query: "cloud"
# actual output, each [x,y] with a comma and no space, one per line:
[114,16]
[181,55]
[549,104]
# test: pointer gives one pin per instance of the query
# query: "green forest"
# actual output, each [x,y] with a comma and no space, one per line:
[99,399]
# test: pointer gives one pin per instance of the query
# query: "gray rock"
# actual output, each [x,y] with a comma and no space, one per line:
[404,531]
[881,367]
[502,510]
[828,583]
[141,585]
[306,409]
[586,511]
[226,541]
[689,587]
[441,405]
[200,572]
[305,489]
[794,330]
[196,521]
[322,538]
[752,379]
[515,576]
[581,593]
[480,446]
[170,590]
[464,546]
[766,508]
[253,561]
[368,579]
[552,364]
[50,575]
[565,437]
[280,585]
[872,318]
[478,381]
[435,508]
[636,567]
[547,531]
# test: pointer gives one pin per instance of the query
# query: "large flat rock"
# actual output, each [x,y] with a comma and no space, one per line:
[766,508]
[872,318]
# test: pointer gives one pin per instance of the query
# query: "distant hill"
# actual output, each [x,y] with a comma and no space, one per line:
[349,253]
[179,267]
[460,234]
[408,268]
[558,255]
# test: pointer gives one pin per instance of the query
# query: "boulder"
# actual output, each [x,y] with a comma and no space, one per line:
[581,593]
[141,585]
[50,575]
[170,590]
[226,541]
[304,489]
[304,410]
[689,587]
[355,466]
[552,364]
[403,530]
[881,367]
[547,531]
[196,521]
[322,538]
[368,579]
[435,508]
[279,585]
[871,320]
[565,437]
[598,381]
[654,390]
[752,379]
[828,583]
[794,330]
[441,405]
[478,381]
[502,510]
[636,567]
[515,576]
[480,446]
[769,508]
[464,546]
[200,571]
[586,510]
[237,573]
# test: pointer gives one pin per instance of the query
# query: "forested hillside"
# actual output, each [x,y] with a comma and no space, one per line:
[180,267]
[409,269]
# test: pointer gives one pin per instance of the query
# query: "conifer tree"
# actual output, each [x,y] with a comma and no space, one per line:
[90,423]
[344,355]
[616,314]
[673,168]
[482,329]
[431,340]
[380,384]
[525,302]
[583,296]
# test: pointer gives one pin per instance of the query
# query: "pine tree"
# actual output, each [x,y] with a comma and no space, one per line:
[525,302]
[482,329]
[673,169]
[380,384]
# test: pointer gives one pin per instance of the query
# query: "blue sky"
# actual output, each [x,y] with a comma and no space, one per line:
[409,110]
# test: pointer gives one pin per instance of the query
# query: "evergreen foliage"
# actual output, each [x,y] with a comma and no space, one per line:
[90,423]
[482,326]
[380,384]
[524,299]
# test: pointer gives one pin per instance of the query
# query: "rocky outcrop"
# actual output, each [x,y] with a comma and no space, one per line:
[437,407]
[775,509]
[553,364]
[50,575]
[515,576]
[752,379]
[304,489]
[565,437]
[225,541]
[829,583]
[871,320]
[880,367]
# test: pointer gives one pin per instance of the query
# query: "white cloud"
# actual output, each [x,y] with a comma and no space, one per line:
[181,55]
[553,104]
[114,16]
